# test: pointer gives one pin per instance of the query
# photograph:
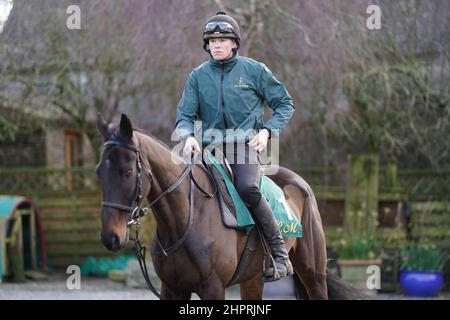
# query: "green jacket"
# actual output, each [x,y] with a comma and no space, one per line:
[231,95]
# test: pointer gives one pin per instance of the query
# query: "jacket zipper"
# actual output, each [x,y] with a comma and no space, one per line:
[222,98]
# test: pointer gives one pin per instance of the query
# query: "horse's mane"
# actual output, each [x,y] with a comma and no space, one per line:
[162,143]
[114,133]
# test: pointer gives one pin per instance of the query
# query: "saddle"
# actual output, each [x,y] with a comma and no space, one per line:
[226,204]
[235,213]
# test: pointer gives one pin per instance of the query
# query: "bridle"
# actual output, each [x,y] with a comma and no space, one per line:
[137,212]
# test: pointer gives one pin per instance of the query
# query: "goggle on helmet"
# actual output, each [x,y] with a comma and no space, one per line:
[221,26]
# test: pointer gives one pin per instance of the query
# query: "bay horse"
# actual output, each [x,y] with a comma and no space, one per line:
[205,253]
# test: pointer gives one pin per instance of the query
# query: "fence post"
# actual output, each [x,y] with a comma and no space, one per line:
[361,195]
[391,174]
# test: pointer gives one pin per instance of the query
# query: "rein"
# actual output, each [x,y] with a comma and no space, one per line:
[137,212]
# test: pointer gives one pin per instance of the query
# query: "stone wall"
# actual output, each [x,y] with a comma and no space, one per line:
[24,151]
[55,150]
[87,153]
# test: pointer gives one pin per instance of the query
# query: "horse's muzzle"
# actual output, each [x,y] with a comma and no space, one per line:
[112,242]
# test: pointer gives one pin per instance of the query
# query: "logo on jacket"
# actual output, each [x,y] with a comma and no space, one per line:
[241,84]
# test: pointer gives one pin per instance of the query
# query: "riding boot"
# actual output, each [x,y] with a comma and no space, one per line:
[282,266]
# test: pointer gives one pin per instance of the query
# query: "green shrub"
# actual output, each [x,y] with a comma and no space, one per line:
[358,247]
[422,258]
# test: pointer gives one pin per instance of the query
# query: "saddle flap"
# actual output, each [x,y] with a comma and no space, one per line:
[228,218]
[227,208]
[218,154]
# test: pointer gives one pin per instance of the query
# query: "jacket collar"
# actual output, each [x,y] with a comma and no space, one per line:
[226,64]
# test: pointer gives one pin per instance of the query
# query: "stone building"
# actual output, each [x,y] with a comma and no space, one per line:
[42,141]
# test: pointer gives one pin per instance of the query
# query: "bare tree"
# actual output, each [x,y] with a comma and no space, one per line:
[394,80]
[355,89]
[75,73]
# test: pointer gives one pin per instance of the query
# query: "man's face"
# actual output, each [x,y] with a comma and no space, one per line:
[221,48]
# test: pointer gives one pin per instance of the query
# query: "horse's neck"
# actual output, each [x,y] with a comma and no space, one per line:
[171,211]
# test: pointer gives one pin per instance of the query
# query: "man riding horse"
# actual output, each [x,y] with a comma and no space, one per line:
[228,92]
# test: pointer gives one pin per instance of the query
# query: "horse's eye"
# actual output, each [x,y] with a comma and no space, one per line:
[128,173]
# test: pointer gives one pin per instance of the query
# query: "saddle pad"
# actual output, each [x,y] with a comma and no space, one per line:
[288,223]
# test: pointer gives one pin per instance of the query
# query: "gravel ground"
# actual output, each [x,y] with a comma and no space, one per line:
[54,288]
[92,288]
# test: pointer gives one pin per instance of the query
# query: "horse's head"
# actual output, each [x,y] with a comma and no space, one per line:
[121,184]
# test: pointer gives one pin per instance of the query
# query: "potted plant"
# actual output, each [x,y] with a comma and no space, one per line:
[355,255]
[421,270]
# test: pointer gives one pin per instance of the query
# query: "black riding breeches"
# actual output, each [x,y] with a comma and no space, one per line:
[246,168]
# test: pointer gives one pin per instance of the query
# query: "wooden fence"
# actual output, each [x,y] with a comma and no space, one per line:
[409,203]
[69,204]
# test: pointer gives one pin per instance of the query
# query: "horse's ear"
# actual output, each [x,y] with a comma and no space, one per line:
[102,126]
[126,129]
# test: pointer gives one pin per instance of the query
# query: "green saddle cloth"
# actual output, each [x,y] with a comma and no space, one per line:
[288,223]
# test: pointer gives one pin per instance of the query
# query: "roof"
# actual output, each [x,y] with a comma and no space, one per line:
[8,204]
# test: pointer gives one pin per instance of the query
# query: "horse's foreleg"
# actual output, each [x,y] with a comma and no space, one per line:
[168,294]
[252,289]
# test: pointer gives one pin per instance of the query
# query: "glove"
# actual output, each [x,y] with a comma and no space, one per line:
[191,146]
